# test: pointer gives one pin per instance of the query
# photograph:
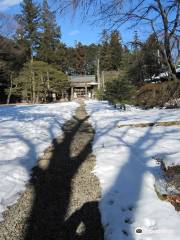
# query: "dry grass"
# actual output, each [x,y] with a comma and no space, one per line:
[152,124]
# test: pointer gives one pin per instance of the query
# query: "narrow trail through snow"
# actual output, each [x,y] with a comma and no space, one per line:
[61,202]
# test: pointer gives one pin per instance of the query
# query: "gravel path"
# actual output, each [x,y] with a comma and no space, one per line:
[61,202]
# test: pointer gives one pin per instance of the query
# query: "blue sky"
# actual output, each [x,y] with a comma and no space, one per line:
[72,28]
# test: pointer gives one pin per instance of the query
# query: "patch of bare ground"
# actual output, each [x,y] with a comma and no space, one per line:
[152,124]
[61,201]
[171,177]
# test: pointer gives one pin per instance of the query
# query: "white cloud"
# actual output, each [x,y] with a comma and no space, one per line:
[74,32]
[4,4]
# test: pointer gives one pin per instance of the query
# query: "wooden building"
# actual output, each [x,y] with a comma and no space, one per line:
[83,86]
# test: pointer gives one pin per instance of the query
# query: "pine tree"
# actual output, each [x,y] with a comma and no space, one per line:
[119,90]
[151,57]
[61,57]
[105,52]
[29,24]
[71,57]
[135,69]
[40,85]
[50,36]
[80,61]
[91,56]
[136,43]
[12,57]
[116,50]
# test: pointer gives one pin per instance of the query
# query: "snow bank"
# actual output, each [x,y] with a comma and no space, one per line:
[127,168]
[25,132]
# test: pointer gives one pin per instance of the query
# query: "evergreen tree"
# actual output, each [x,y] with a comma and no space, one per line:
[116,50]
[111,51]
[151,57]
[50,36]
[105,52]
[71,57]
[38,80]
[29,24]
[136,72]
[61,57]
[91,53]
[12,57]
[136,43]
[144,60]
[119,90]
[80,61]
[59,83]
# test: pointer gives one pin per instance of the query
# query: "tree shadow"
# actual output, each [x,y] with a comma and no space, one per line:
[52,184]
[125,187]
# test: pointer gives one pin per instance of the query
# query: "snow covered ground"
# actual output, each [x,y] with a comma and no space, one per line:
[25,132]
[137,115]
[127,168]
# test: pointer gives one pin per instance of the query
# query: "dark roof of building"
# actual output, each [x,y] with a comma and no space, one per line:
[82,79]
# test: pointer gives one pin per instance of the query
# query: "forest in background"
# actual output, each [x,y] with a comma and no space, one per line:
[35,63]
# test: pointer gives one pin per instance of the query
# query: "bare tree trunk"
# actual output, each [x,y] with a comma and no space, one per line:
[167,37]
[33,100]
[10,89]
[38,90]
[62,94]
[33,88]
[48,86]
[98,73]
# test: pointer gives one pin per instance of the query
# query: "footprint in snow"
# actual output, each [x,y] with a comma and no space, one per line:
[129,221]
[110,202]
[125,232]
[129,208]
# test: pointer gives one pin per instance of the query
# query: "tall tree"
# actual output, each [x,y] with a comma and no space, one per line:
[161,16]
[50,35]
[61,57]
[80,61]
[116,50]
[91,56]
[46,79]
[71,56]
[135,71]
[28,22]
[152,61]
[12,57]
[105,52]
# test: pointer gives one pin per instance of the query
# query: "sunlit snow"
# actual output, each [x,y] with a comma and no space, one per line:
[127,168]
[25,132]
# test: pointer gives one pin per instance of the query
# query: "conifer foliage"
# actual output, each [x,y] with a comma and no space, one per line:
[38,81]
[111,50]
[39,33]
[29,25]
[49,35]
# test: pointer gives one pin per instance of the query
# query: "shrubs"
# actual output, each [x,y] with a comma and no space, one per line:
[158,94]
[119,90]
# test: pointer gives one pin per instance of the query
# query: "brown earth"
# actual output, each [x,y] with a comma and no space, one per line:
[152,124]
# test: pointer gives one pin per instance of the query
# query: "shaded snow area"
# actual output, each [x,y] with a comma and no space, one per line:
[127,168]
[25,132]
[137,115]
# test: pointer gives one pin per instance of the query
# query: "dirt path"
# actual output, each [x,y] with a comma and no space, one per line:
[62,200]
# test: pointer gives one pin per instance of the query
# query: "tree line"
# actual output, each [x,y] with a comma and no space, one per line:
[35,63]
